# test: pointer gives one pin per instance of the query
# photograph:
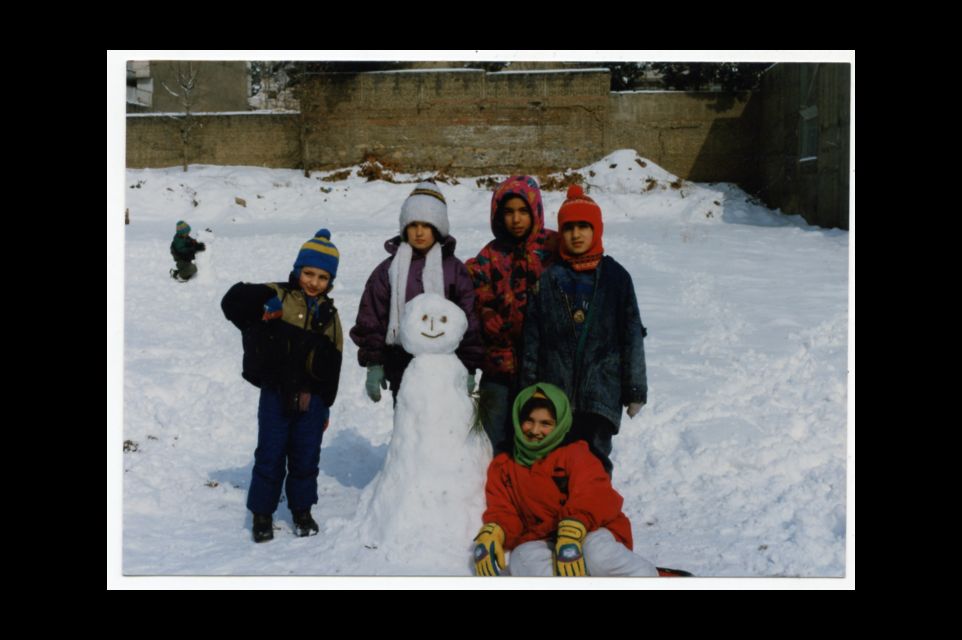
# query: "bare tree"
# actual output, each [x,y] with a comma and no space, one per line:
[185,92]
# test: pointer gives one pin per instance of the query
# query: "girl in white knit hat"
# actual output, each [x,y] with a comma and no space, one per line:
[421,261]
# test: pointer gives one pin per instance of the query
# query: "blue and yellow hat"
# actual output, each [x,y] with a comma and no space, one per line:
[319,252]
[182,228]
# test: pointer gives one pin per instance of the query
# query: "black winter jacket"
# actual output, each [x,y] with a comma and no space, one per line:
[301,351]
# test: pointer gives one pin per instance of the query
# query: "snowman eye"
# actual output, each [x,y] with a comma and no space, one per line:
[444,318]
[424,318]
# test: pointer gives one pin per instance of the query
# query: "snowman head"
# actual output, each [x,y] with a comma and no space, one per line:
[432,324]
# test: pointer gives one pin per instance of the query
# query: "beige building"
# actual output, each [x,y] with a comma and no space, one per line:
[175,86]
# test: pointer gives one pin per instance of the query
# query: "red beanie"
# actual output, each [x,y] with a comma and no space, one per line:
[580,208]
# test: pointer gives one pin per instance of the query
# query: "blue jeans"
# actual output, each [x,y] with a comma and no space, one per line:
[286,446]
[496,402]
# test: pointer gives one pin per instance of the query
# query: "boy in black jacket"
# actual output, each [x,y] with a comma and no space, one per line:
[292,350]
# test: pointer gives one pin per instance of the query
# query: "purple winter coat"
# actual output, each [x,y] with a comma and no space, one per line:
[370,329]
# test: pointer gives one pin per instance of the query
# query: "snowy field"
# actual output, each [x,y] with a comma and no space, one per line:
[737,466]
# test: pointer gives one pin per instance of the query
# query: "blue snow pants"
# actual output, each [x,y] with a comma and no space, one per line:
[286,446]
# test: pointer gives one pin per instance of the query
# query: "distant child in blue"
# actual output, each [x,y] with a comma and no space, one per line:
[292,351]
[183,248]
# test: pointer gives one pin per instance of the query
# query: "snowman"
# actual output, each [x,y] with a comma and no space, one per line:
[425,505]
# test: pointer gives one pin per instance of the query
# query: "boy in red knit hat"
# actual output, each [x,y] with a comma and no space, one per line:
[583,330]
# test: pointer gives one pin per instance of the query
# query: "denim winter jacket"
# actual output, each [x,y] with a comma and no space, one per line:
[602,371]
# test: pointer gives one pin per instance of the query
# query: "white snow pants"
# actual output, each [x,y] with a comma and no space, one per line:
[604,556]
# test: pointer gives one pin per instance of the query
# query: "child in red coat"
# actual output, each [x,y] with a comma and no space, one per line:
[553,506]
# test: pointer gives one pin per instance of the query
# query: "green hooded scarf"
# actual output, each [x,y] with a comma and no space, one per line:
[526,453]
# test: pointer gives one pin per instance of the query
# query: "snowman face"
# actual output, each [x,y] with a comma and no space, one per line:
[439,329]
[432,324]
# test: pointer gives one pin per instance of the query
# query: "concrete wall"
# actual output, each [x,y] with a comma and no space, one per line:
[703,137]
[261,140]
[814,182]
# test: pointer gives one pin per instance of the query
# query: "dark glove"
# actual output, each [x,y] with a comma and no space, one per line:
[273,309]
[243,304]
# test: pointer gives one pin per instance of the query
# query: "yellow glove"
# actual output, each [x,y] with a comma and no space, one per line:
[569,558]
[489,550]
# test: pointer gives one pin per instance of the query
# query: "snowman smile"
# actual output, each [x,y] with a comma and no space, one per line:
[432,337]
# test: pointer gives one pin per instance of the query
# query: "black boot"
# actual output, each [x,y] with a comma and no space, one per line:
[263,528]
[304,524]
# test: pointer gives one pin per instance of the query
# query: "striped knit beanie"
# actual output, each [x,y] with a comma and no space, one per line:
[426,204]
[182,228]
[319,252]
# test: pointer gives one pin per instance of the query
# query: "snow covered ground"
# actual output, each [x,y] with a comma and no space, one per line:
[737,466]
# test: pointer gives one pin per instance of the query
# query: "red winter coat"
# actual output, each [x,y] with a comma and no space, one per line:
[569,482]
[505,271]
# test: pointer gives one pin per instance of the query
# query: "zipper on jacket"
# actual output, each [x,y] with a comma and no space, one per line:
[571,321]
[574,334]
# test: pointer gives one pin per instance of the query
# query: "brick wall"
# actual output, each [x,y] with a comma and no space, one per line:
[469,122]
[263,140]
